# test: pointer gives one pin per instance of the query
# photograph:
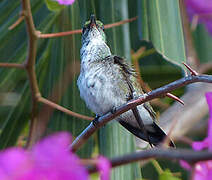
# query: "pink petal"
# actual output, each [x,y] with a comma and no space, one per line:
[185,165]
[104,166]
[202,8]
[203,170]
[209,101]
[199,6]
[200,145]
[53,160]
[65,2]
[49,159]
[14,162]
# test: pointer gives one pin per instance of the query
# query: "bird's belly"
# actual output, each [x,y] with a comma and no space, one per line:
[98,92]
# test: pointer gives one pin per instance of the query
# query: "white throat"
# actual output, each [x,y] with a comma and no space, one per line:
[94,50]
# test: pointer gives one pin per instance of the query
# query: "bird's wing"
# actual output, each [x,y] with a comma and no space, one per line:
[155,133]
[127,69]
[130,73]
[151,133]
[127,72]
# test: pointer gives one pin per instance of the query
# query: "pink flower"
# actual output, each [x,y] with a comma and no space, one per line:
[203,169]
[104,166]
[65,2]
[49,160]
[207,142]
[201,8]
[14,164]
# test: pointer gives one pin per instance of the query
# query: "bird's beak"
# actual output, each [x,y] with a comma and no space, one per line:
[92,21]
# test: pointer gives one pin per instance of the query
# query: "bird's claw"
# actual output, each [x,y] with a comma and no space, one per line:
[113,110]
[96,120]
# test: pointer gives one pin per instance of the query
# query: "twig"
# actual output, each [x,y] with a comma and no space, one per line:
[19,20]
[60,34]
[184,139]
[82,138]
[78,31]
[12,65]
[60,108]
[172,154]
[107,26]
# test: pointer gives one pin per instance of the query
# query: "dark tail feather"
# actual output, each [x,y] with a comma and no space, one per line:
[155,133]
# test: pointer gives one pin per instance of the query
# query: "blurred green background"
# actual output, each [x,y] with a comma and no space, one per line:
[158,28]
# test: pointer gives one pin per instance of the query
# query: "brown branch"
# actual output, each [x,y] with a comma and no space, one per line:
[171,154]
[82,138]
[32,48]
[30,68]
[12,65]
[78,31]
[60,108]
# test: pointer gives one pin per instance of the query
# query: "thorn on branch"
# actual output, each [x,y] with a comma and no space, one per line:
[172,96]
[193,72]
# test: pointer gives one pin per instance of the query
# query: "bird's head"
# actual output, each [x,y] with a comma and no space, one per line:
[93,30]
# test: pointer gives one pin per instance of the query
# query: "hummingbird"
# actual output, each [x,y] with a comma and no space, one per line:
[107,81]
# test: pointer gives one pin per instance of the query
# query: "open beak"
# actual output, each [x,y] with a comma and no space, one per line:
[92,21]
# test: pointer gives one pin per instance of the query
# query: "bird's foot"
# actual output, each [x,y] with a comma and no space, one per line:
[129,97]
[113,110]
[96,120]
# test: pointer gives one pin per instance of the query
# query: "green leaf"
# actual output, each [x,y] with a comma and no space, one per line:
[167,175]
[162,26]
[54,5]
